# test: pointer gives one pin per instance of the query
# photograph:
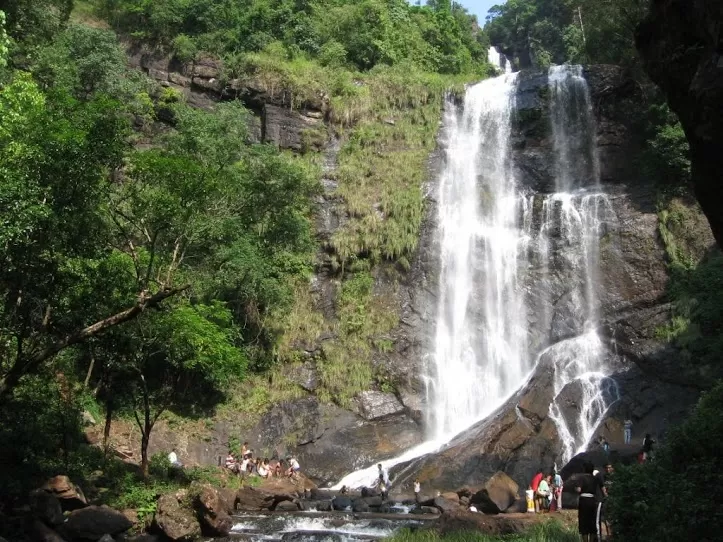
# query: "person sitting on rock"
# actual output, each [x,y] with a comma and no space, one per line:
[278,469]
[231,462]
[543,493]
[294,467]
[244,449]
[264,468]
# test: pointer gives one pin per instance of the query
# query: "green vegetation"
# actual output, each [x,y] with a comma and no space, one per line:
[550,531]
[677,495]
[558,31]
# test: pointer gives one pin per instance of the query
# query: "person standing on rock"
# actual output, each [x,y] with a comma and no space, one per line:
[648,443]
[628,430]
[417,490]
[383,475]
[557,483]
[587,509]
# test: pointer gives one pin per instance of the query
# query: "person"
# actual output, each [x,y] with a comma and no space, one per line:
[383,489]
[383,475]
[294,467]
[417,490]
[543,493]
[230,462]
[628,430]
[588,486]
[536,479]
[602,523]
[344,490]
[244,449]
[648,442]
[278,470]
[265,468]
[605,445]
[557,484]
[173,459]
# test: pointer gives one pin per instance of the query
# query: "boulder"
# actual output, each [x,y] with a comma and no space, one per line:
[341,502]
[451,496]
[319,506]
[497,494]
[212,511]
[445,505]
[517,507]
[92,522]
[46,507]
[174,520]
[42,533]
[360,506]
[70,495]
[376,404]
[250,499]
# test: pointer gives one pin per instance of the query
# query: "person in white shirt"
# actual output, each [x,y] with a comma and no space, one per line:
[264,468]
[173,459]
[294,467]
[231,462]
[417,490]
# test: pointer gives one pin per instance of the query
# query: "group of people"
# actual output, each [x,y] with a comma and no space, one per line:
[546,492]
[247,465]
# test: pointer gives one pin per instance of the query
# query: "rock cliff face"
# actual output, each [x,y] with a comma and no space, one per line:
[681,43]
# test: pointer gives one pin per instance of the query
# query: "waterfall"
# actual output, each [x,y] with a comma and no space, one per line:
[497,248]
[480,355]
[577,212]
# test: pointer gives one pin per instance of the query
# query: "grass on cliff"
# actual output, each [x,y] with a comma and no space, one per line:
[695,287]
[550,531]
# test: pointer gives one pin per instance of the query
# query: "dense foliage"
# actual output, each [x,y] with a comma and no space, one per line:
[676,496]
[556,31]
[358,33]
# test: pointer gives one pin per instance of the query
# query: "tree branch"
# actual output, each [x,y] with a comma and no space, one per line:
[28,364]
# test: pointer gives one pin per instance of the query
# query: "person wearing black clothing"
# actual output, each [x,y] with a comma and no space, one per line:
[648,442]
[588,486]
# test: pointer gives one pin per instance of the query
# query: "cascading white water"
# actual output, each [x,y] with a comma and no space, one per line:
[487,245]
[498,60]
[480,355]
[578,212]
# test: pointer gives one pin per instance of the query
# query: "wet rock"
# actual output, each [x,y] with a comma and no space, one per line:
[451,496]
[497,494]
[212,510]
[457,521]
[517,507]
[46,507]
[360,506]
[320,506]
[340,502]
[70,495]
[92,522]
[250,499]
[177,522]
[376,404]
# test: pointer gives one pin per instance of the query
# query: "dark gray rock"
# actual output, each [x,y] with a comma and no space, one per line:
[360,506]
[289,129]
[92,522]
[46,507]
[340,502]
[374,405]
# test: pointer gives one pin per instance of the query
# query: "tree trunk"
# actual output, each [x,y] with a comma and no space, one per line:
[144,454]
[108,420]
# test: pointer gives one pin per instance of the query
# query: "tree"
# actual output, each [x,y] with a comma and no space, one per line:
[180,358]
